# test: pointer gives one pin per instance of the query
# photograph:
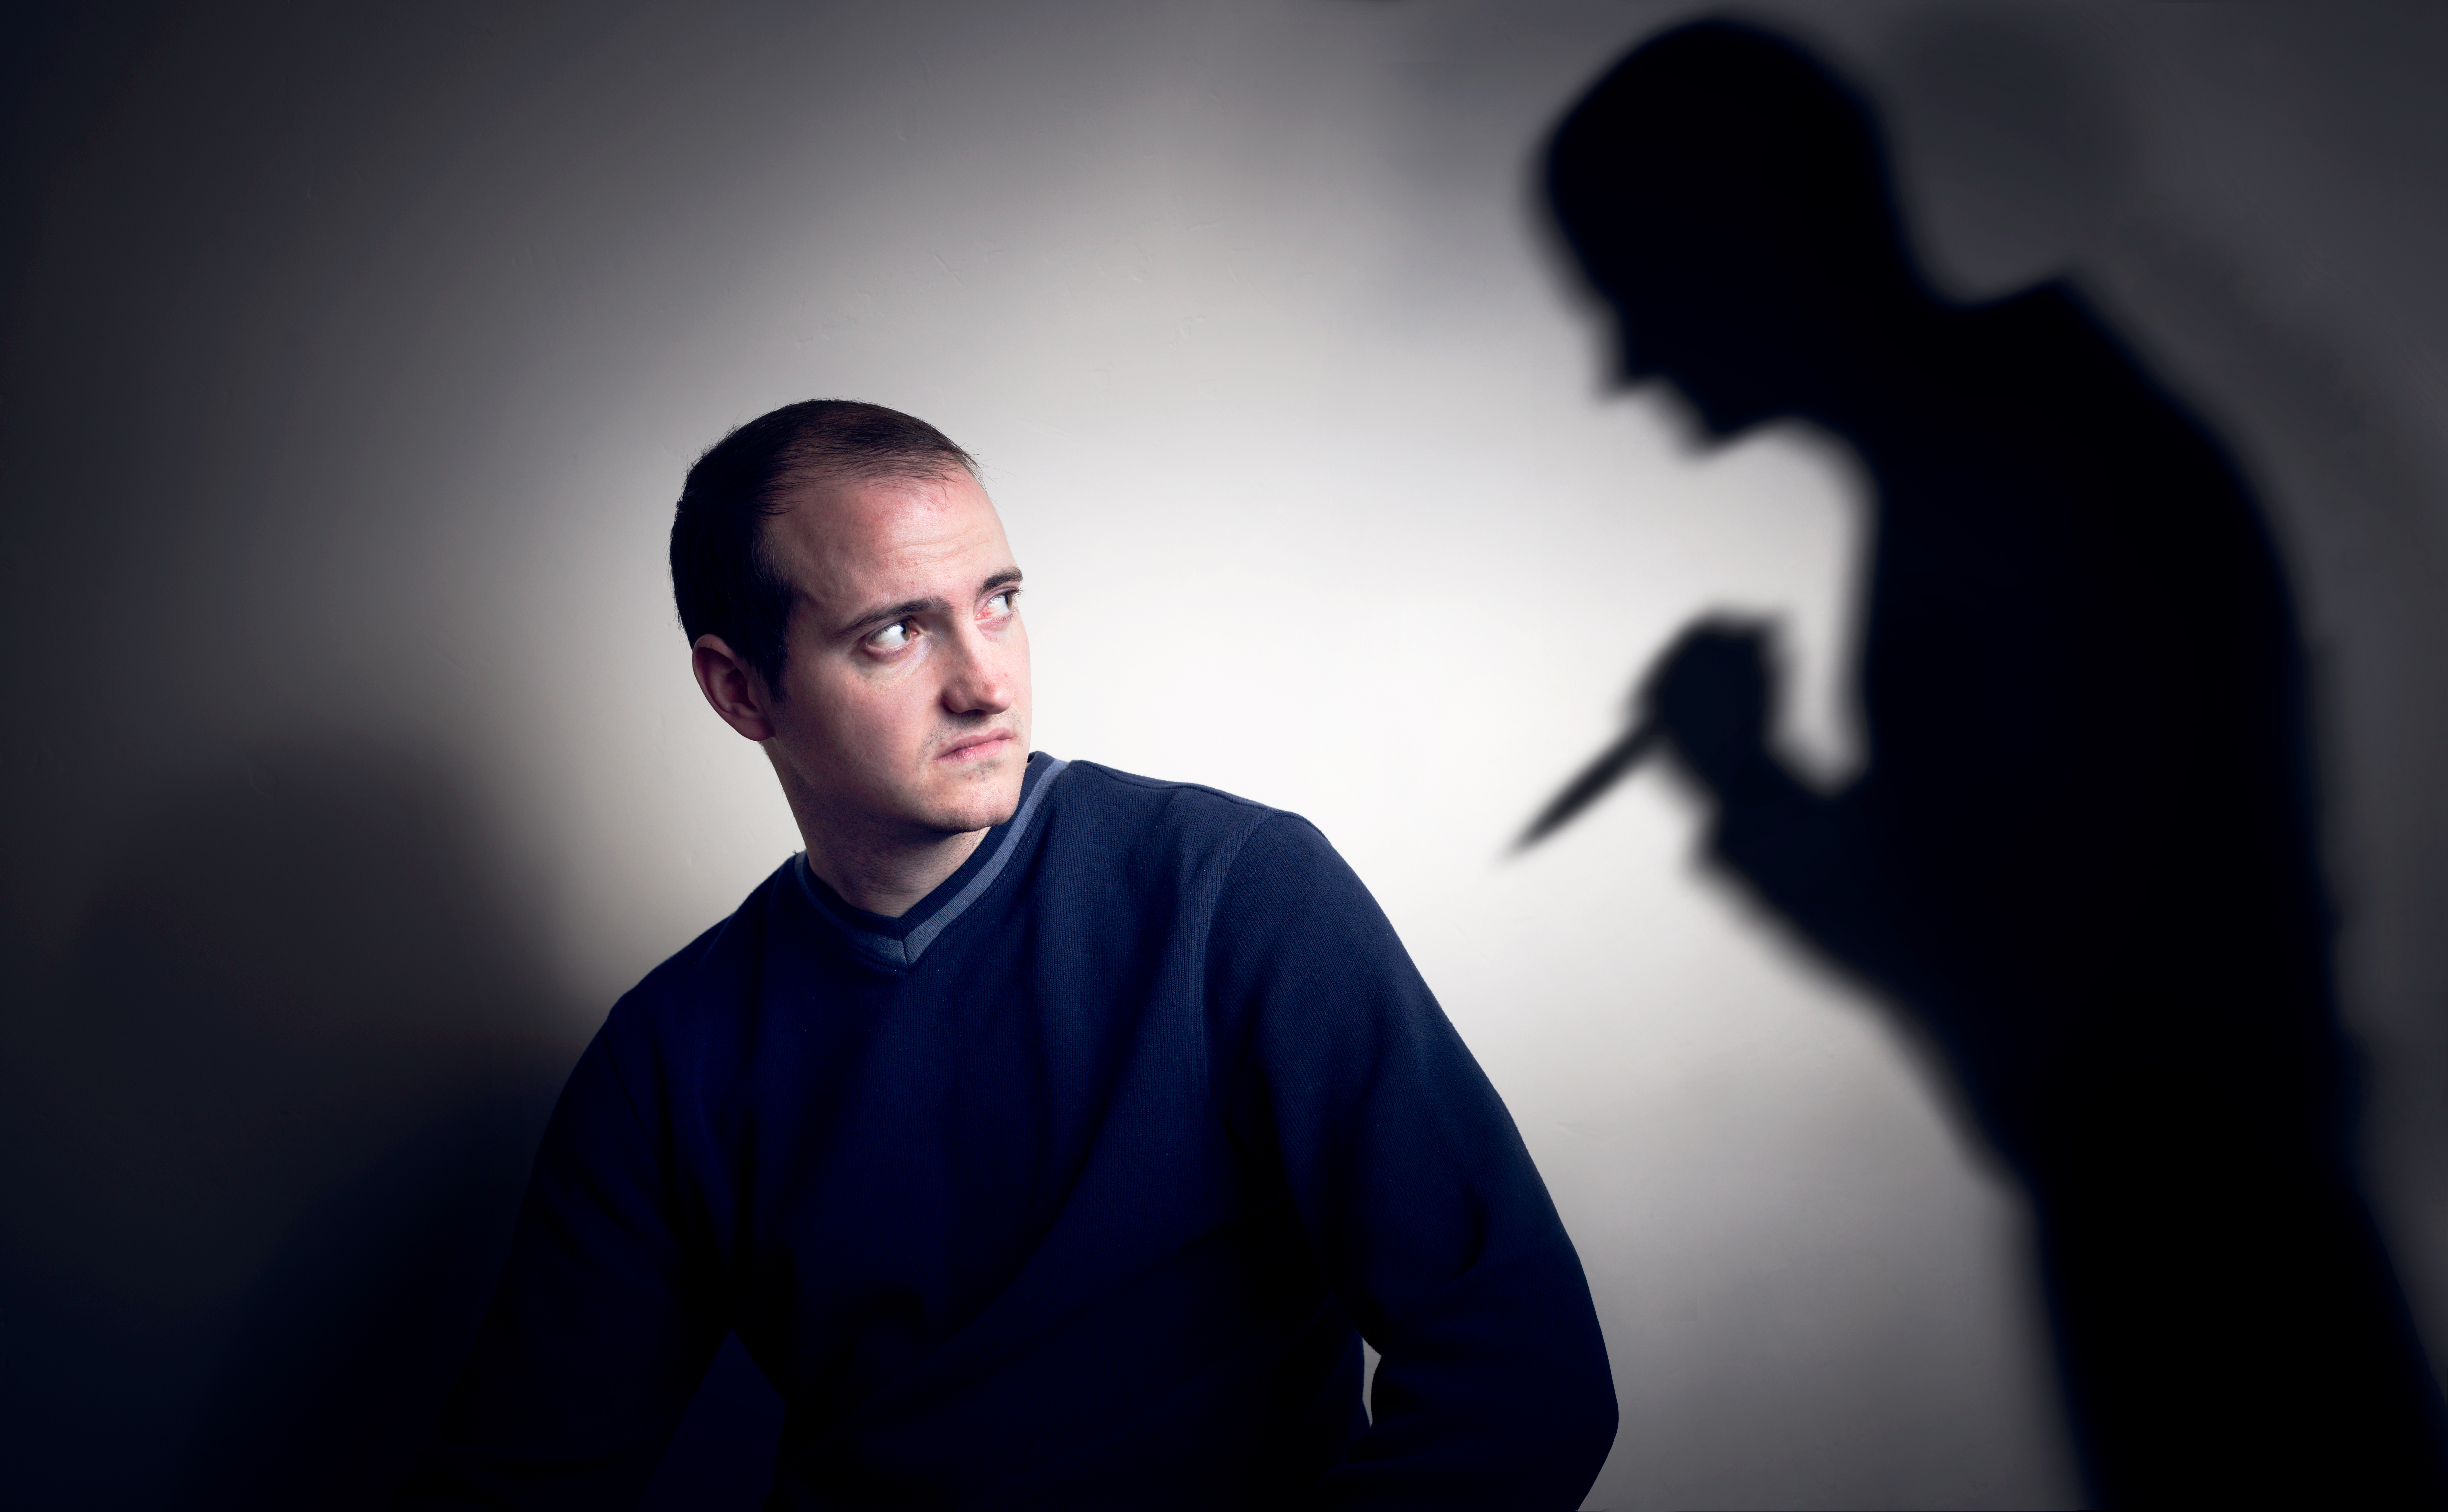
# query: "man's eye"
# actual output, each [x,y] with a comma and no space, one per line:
[891,637]
[1002,602]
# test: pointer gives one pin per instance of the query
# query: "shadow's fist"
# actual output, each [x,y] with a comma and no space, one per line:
[1709,694]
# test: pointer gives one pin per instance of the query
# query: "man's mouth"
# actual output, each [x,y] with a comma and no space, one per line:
[976,747]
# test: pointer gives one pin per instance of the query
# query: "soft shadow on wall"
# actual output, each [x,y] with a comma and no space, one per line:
[2335,433]
[2081,860]
[268,1108]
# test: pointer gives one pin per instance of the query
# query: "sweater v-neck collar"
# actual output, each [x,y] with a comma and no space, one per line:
[900,942]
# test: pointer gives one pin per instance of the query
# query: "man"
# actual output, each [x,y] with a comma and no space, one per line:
[1044,1131]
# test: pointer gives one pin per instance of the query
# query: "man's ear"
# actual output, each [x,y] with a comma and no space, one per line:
[733,687]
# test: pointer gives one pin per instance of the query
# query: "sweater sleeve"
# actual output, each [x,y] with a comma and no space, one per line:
[1416,1192]
[604,1323]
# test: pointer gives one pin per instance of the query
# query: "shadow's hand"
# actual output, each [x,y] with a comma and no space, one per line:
[1709,694]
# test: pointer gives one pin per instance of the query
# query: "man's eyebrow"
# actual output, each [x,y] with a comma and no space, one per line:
[887,613]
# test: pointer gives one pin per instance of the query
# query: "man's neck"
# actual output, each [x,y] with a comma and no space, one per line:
[886,878]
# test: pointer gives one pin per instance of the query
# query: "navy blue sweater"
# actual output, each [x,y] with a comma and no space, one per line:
[1066,1188]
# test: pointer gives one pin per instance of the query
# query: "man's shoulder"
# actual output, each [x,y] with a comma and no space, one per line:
[1126,806]
[1094,781]
[1123,815]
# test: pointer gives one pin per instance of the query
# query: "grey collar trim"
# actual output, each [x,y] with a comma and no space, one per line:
[905,951]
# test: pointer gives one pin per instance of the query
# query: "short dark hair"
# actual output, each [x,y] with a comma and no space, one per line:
[721,576]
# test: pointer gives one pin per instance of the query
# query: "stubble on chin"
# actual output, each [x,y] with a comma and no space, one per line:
[977,794]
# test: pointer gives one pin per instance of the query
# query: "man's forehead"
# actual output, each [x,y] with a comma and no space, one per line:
[843,535]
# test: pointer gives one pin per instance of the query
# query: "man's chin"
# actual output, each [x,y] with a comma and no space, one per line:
[980,796]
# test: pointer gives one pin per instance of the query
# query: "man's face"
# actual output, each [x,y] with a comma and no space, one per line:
[905,712]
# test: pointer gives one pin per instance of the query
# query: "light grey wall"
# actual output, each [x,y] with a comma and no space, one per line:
[354,355]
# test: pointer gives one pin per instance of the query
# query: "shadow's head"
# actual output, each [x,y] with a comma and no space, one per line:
[1728,197]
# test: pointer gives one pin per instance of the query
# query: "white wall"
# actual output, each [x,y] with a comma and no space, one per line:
[355,371]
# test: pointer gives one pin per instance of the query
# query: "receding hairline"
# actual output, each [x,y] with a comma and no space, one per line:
[811,489]
[820,476]
[806,495]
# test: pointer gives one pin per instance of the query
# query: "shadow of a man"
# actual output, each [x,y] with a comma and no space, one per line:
[2081,860]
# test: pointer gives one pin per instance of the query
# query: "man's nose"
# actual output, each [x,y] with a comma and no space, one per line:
[979,680]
